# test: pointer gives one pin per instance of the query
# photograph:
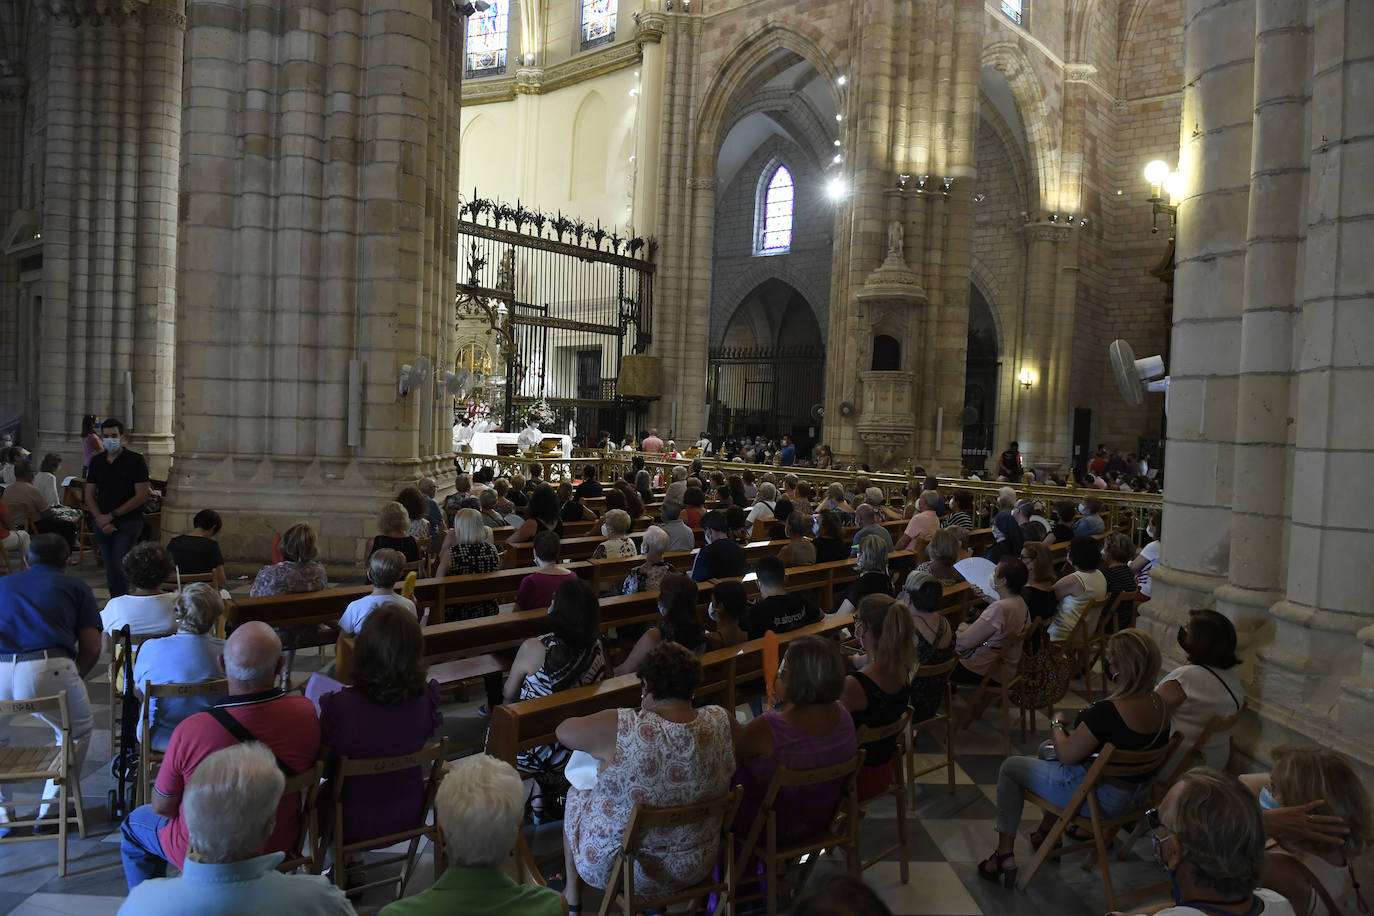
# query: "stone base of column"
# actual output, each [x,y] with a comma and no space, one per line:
[260,497]
[1173,592]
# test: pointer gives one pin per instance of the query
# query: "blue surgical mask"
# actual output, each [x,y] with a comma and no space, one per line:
[1267,800]
[111,445]
[1082,509]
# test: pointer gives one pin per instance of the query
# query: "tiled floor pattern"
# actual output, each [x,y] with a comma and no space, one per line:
[948,834]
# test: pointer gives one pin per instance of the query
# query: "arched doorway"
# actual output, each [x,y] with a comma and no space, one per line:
[766,378]
[981,367]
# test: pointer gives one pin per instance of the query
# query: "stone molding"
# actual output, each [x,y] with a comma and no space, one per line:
[529,81]
[14,89]
[650,27]
[1046,232]
[701,184]
[568,73]
[77,13]
[169,13]
[1078,73]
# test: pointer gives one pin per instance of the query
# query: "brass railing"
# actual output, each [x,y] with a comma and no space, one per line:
[1128,512]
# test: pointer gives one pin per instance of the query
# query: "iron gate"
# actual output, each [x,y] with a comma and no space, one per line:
[766,391]
[564,302]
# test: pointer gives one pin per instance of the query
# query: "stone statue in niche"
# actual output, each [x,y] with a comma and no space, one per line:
[896,238]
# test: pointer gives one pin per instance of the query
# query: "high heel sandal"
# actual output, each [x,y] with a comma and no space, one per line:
[999,871]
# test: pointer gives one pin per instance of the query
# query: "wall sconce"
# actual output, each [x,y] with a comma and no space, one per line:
[1027,378]
[1163,181]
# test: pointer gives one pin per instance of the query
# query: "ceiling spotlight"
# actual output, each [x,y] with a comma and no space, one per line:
[978,198]
[841,80]
[835,189]
[838,158]
[839,117]
[1054,217]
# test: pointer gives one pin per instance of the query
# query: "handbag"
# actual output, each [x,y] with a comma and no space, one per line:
[1044,676]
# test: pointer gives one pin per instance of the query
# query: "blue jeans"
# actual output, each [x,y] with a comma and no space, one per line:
[1055,782]
[140,848]
[113,547]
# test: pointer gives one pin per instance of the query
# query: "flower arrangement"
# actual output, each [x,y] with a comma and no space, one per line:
[540,414]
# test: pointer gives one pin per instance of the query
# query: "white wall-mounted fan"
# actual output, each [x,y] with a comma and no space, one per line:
[458,384]
[1136,376]
[414,375]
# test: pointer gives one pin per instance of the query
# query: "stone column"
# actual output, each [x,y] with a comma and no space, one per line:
[316,259]
[1277,224]
[109,221]
[1218,98]
[644,215]
[1043,420]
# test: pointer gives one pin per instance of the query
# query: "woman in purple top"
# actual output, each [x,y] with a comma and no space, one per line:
[809,729]
[391,709]
[90,442]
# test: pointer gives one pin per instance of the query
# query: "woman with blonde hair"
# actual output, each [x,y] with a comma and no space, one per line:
[393,522]
[879,692]
[942,553]
[1317,877]
[1132,718]
[874,578]
[467,550]
[615,528]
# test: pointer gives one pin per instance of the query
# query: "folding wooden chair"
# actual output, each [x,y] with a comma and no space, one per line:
[56,761]
[1087,635]
[842,830]
[121,642]
[148,759]
[360,767]
[644,823]
[995,685]
[1192,757]
[1113,766]
[304,852]
[171,585]
[897,789]
[942,670]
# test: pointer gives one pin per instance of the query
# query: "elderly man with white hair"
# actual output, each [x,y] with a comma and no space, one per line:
[256,710]
[924,523]
[763,508]
[480,805]
[230,807]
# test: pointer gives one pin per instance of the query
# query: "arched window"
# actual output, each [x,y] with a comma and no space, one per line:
[598,22]
[775,213]
[488,37]
[1014,10]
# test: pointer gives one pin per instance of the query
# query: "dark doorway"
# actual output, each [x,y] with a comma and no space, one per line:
[887,354]
[1082,440]
[981,368]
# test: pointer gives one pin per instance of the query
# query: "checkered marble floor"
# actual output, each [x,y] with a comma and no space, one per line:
[948,834]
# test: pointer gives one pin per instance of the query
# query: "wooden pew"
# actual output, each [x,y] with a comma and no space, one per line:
[517,727]
[574,548]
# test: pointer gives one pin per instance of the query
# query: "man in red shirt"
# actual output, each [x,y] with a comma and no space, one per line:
[256,710]
[652,443]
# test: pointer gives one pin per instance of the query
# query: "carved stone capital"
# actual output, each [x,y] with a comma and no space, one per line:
[92,12]
[1046,232]
[165,12]
[529,80]
[1078,73]
[701,184]
[650,27]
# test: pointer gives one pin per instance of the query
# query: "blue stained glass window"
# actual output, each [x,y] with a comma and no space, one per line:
[488,37]
[777,212]
[1012,9]
[598,22]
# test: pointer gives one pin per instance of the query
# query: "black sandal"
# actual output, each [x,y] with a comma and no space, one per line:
[994,868]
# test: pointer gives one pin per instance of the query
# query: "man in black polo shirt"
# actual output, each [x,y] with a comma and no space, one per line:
[49,641]
[776,610]
[721,558]
[116,489]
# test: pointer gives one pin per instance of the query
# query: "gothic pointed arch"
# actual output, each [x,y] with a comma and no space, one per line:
[1042,125]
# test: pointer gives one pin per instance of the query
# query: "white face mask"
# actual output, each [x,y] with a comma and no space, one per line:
[1082,509]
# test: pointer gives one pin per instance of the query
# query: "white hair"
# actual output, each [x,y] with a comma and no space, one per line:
[1006,497]
[874,496]
[767,491]
[679,472]
[930,499]
[230,803]
[479,808]
[655,541]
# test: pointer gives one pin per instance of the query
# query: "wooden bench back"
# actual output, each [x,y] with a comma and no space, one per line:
[516,727]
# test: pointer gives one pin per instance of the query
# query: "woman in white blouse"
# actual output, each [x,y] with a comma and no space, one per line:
[1207,686]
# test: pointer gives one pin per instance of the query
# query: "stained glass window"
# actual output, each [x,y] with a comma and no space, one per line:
[777,212]
[598,22]
[1012,9]
[488,35]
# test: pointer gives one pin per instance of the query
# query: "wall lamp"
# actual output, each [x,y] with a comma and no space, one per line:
[1027,378]
[1163,182]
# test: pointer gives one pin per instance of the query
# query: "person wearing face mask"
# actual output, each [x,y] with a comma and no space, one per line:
[1206,686]
[1003,620]
[1147,558]
[1091,523]
[1208,835]
[116,488]
[721,558]
[1133,718]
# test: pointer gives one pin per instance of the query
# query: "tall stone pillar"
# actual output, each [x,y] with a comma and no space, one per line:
[1214,159]
[109,221]
[316,260]
[1277,224]
[1043,420]
[648,140]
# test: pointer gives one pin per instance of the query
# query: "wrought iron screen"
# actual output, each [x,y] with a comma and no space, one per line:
[766,390]
[562,303]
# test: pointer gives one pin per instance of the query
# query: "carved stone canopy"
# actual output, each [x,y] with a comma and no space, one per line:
[893,281]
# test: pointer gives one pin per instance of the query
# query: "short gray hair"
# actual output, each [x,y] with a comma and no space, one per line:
[618,520]
[944,546]
[231,802]
[1006,497]
[487,499]
[198,608]
[767,491]
[655,541]
[679,472]
[872,553]
[1219,825]
[479,808]
[874,496]
[930,499]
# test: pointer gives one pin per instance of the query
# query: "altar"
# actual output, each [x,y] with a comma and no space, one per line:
[486,443]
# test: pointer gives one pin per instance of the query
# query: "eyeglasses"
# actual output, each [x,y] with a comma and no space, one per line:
[1153,821]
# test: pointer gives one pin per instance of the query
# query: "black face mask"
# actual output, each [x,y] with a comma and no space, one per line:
[1183,638]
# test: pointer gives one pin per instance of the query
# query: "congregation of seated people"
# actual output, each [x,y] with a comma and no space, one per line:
[1277,843]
